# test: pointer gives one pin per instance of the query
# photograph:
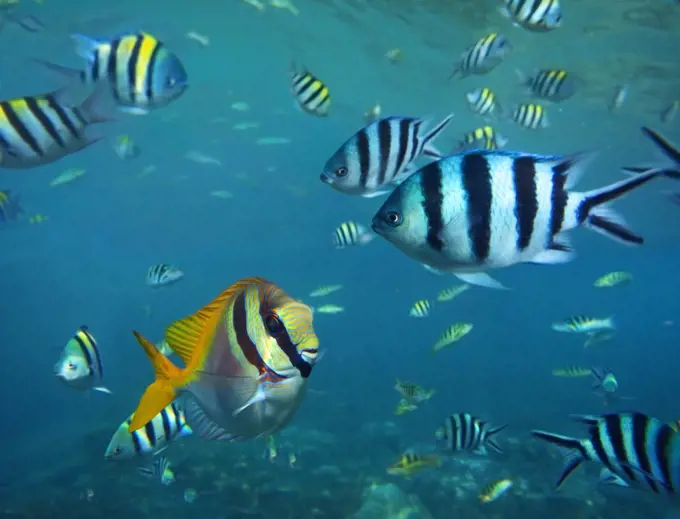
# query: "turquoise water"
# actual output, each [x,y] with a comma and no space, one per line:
[86,264]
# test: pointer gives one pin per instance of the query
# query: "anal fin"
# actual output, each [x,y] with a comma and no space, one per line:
[202,425]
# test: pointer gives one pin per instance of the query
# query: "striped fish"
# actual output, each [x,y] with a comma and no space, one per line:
[531,116]
[482,101]
[482,138]
[481,210]
[463,432]
[534,15]
[584,324]
[167,426]
[38,130]
[351,233]
[420,308]
[140,72]
[310,93]
[551,84]
[380,155]
[10,208]
[159,469]
[635,450]
[248,357]
[80,365]
[484,55]
[162,274]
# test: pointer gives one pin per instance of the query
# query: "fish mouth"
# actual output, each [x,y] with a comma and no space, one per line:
[325,179]
[376,225]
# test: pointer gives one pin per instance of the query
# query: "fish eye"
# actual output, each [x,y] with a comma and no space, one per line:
[170,81]
[341,172]
[273,324]
[71,366]
[393,218]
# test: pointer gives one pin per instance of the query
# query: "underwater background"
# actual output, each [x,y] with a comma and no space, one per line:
[85,263]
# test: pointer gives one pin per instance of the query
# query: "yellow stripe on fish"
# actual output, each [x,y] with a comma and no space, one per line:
[573,372]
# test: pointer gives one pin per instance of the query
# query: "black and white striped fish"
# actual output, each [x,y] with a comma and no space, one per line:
[531,116]
[351,233]
[159,469]
[551,84]
[463,432]
[636,451]
[163,274]
[154,437]
[484,55]
[380,155]
[310,93]
[481,210]
[534,15]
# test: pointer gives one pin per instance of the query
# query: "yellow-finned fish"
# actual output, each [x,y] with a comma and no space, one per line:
[310,93]
[167,426]
[613,279]
[449,294]
[248,356]
[573,372]
[484,138]
[484,55]
[80,365]
[534,15]
[394,55]
[272,452]
[137,69]
[495,490]
[411,462]
[351,233]
[159,469]
[482,101]
[41,129]
[584,324]
[10,209]
[551,84]
[404,406]
[325,290]
[420,308]
[413,392]
[126,148]
[531,116]
[328,309]
[453,334]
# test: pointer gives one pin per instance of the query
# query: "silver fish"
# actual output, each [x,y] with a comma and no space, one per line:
[80,365]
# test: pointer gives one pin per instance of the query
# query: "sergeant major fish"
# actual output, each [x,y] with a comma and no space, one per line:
[463,432]
[379,156]
[248,356]
[80,364]
[140,72]
[534,15]
[551,84]
[484,55]
[162,274]
[481,210]
[159,469]
[310,93]
[351,233]
[584,324]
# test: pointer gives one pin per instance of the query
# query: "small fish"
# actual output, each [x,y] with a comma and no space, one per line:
[202,158]
[482,101]
[351,233]
[420,308]
[620,96]
[395,55]
[126,148]
[167,426]
[222,193]
[159,469]
[190,495]
[598,337]
[494,490]
[453,334]
[272,452]
[286,5]
[67,177]
[373,113]
[584,324]
[449,294]
[551,84]
[413,393]
[669,113]
[10,208]
[201,39]
[292,460]
[531,116]
[329,309]
[605,380]
[240,106]
[534,15]
[483,56]
[573,372]
[636,449]
[404,406]
[463,432]
[482,138]
[138,70]
[41,129]
[162,274]
[613,279]
[411,462]
[325,290]
[310,93]
[450,214]
[379,156]
[80,365]
[38,218]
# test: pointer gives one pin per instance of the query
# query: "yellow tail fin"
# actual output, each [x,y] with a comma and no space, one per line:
[159,394]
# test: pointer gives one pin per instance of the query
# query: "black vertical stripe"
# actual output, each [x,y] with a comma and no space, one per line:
[177,415]
[112,69]
[526,202]
[135,442]
[240,323]
[94,68]
[614,430]
[476,177]
[132,61]
[641,439]
[63,116]
[431,179]
[414,134]
[662,453]
[364,153]
[286,345]
[151,71]
[384,129]
[167,426]
[17,124]
[85,350]
[150,433]
[303,82]
[402,160]
[558,202]
[596,433]
[45,122]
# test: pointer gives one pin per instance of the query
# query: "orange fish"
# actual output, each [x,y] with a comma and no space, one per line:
[247,355]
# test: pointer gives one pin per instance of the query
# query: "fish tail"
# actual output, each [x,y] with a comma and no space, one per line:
[162,391]
[572,451]
[67,72]
[491,441]
[92,107]
[428,148]
[593,213]
[85,46]
[664,145]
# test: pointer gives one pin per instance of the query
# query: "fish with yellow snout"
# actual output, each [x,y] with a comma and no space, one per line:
[248,356]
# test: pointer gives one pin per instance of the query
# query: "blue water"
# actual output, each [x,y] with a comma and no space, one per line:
[86,264]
